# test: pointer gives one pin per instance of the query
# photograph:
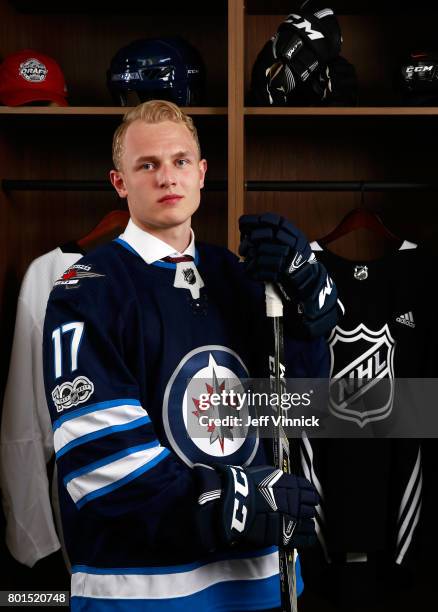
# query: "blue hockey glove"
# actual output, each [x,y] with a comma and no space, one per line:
[277,251]
[271,245]
[258,506]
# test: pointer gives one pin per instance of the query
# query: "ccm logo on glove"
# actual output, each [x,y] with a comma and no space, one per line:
[258,505]
[241,491]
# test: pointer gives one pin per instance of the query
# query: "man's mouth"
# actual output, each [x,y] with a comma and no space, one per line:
[170,198]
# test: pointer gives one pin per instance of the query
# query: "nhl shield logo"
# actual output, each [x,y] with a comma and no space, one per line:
[189,276]
[360,272]
[362,374]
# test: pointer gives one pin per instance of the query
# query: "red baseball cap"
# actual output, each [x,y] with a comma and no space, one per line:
[30,76]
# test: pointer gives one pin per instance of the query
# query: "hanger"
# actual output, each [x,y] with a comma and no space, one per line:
[116,219]
[360,218]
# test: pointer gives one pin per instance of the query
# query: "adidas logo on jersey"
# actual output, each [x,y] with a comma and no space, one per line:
[406,319]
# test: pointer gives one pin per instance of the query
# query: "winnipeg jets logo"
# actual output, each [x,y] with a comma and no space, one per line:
[362,374]
[219,432]
[200,427]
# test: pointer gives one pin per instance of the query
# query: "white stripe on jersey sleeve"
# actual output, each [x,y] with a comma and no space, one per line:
[407,528]
[115,474]
[310,474]
[408,540]
[86,424]
[410,486]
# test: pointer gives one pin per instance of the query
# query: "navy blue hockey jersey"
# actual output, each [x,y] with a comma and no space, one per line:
[126,355]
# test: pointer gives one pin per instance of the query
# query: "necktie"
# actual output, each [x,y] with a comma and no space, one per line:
[176,260]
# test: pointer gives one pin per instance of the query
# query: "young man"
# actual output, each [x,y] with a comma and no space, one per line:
[156,518]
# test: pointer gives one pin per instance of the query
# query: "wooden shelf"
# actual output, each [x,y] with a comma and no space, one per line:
[98,110]
[297,111]
[340,7]
[345,111]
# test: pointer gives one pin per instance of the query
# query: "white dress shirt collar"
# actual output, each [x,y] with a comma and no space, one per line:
[149,247]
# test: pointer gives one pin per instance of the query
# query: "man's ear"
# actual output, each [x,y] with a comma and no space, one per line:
[118,182]
[202,171]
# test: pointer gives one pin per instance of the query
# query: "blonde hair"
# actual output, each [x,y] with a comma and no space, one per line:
[153,111]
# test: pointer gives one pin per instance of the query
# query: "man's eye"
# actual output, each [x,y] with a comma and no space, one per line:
[182,162]
[147,166]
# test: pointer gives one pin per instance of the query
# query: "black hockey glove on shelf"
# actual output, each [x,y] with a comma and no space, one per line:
[307,41]
[257,506]
[277,251]
[292,66]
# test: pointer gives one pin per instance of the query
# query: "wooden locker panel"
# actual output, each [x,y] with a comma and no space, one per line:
[80,149]
[344,149]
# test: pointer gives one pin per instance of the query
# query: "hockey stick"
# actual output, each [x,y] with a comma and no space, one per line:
[280,445]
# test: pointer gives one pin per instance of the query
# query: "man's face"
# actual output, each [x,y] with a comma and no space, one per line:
[161,174]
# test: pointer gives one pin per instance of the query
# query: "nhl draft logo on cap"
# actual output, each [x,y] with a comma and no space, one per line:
[205,371]
[28,76]
[33,70]
[362,374]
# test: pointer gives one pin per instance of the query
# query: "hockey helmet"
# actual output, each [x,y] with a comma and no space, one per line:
[419,75]
[157,68]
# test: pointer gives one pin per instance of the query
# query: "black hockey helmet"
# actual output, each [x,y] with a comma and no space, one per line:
[419,74]
[157,68]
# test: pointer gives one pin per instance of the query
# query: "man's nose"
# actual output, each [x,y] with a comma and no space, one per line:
[166,177]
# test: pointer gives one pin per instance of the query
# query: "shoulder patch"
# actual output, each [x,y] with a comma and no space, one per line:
[75,274]
[71,394]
